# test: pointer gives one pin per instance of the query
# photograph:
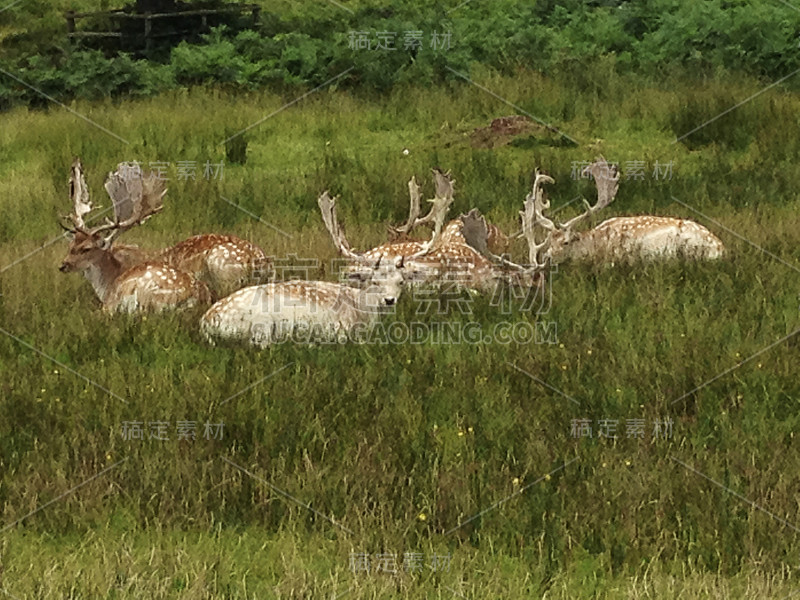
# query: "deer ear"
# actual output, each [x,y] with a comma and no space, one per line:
[104,243]
[68,231]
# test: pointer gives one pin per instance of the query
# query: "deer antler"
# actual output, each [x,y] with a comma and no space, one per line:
[441,204]
[476,234]
[413,211]
[444,186]
[327,206]
[135,197]
[438,213]
[536,203]
[606,178]
[476,231]
[79,195]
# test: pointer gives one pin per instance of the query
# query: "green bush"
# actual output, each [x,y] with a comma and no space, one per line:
[217,61]
[311,46]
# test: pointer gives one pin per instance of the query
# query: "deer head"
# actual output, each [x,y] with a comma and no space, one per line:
[606,178]
[440,205]
[536,228]
[380,287]
[134,197]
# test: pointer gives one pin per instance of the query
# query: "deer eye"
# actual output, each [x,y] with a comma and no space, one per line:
[84,250]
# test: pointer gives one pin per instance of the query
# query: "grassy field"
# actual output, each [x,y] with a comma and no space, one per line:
[458,458]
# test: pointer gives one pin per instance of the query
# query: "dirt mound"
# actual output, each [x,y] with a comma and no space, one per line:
[503,130]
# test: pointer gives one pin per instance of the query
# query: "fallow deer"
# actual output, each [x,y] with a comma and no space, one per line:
[314,311]
[445,259]
[224,262]
[146,286]
[642,237]
[320,310]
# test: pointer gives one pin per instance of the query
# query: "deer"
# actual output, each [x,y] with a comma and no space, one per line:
[224,262]
[626,239]
[146,286]
[313,311]
[445,259]
[498,241]
[321,310]
[476,234]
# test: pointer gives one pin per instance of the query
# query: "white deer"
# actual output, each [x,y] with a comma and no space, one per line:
[318,310]
[149,285]
[313,311]
[625,239]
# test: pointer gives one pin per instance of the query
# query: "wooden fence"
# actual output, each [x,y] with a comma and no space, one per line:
[148,18]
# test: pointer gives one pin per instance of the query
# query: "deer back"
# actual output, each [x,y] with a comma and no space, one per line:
[224,262]
[261,314]
[644,237]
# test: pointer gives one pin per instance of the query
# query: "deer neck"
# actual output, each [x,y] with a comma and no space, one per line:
[363,301]
[130,255]
[103,273]
[351,299]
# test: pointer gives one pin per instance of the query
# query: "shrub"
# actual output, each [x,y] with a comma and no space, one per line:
[309,47]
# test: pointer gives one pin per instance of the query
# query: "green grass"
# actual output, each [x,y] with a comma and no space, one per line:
[400,444]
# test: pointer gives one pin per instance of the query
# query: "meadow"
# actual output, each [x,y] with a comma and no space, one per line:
[460,459]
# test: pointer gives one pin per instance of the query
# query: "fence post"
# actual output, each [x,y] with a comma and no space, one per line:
[70,17]
[148,26]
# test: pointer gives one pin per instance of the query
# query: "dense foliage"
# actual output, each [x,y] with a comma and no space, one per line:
[310,47]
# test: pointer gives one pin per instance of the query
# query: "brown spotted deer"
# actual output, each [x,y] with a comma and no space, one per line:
[538,235]
[147,286]
[445,259]
[626,239]
[224,262]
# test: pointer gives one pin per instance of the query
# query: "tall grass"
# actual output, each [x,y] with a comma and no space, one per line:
[400,444]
